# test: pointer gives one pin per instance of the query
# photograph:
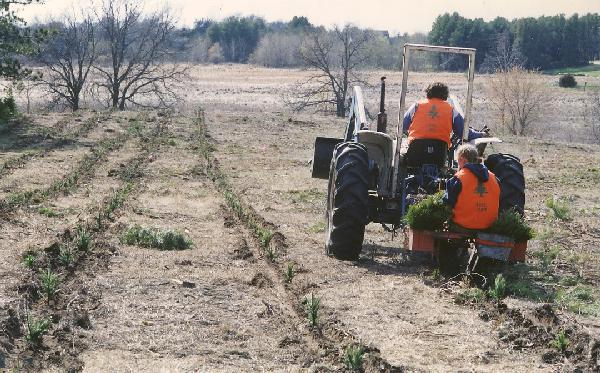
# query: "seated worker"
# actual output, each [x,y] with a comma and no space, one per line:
[435,118]
[473,192]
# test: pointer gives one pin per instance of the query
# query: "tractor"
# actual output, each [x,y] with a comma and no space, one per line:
[375,178]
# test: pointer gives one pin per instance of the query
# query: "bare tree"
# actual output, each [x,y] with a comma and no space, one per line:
[335,57]
[137,63]
[68,57]
[518,96]
[592,114]
[504,57]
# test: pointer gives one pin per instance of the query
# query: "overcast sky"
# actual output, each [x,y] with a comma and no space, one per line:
[392,15]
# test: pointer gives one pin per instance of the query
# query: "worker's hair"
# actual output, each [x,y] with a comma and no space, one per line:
[468,152]
[437,90]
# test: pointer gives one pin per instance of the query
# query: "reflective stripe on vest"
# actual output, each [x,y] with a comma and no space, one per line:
[432,120]
[477,203]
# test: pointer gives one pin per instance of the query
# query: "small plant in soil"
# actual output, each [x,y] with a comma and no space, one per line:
[429,214]
[83,239]
[48,211]
[29,259]
[470,296]
[65,256]
[353,357]
[580,299]
[498,290]
[561,342]
[155,238]
[36,328]
[264,236]
[50,283]
[559,208]
[289,273]
[313,304]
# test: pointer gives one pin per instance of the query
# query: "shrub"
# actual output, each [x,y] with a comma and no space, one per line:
[8,108]
[155,238]
[429,214]
[511,224]
[567,81]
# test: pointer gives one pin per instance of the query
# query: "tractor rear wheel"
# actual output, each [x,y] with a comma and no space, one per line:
[347,201]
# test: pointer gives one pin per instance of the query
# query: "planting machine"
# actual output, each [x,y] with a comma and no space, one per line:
[374,177]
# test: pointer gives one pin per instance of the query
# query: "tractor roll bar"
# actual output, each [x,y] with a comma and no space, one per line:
[470,52]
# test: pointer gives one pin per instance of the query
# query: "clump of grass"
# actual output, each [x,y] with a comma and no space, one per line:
[470,296]
[429,214]
[50,283]
[313,304]
[36,328]
[29,259]
[561,342]
[511,224]
[156,239]
[83,239]
[48,211]
[318,227]
[547,256]
[559,208]
[579,299]
[289,273]
[353,357]
[498,290]
[65,256]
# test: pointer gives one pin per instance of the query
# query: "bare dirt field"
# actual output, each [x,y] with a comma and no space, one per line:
[229,176]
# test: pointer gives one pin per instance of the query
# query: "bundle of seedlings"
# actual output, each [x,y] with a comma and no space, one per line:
[511,224]
[429,214]
[156,238]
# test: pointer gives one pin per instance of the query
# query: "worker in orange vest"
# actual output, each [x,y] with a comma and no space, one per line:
[435,118]
[473,192]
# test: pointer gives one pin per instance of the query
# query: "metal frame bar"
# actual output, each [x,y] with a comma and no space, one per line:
[470,52]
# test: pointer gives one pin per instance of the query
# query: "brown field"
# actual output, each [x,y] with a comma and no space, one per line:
[229,171]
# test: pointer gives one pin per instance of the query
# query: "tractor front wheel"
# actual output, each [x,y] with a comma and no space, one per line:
[347,201]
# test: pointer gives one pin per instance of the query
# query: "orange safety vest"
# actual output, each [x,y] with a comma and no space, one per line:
[432,120]
[478,202]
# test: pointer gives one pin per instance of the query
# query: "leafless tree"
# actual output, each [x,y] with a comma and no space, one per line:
[137,55]
[592,114]
[504,57]
[335,57]
[518,96]
[68,57]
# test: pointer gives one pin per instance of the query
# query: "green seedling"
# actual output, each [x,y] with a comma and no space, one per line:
[561,342]
[156,239]
[470,296]
[353,357]
[289,273]
[498,290]
[36,329]
[313,304]
[65,256]
[83,239]
[47,211]
[559,208]
[50,283]
[29,259]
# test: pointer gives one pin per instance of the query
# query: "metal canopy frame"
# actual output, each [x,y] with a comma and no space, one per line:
[470,52]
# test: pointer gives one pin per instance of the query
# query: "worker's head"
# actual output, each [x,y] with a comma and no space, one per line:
[437,90]
[466,153]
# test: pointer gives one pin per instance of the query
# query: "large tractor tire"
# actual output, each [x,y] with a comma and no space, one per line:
[347,201]
[509,171]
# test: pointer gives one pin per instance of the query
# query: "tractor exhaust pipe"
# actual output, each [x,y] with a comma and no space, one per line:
[382,116]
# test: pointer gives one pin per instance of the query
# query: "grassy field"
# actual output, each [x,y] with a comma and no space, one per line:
[589,70]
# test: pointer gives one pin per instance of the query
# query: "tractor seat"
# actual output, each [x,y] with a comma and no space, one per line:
[426,151]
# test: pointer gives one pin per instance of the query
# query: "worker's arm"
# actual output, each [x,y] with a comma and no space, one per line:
[458,124]
[408,117]
[453,188]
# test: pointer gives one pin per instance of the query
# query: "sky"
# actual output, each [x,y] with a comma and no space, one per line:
[395,16]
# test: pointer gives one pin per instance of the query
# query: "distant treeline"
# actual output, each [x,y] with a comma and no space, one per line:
[541,43]
[536,43]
